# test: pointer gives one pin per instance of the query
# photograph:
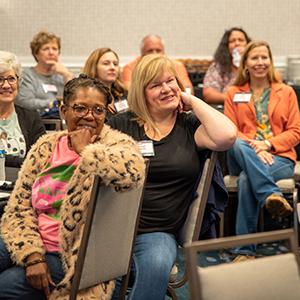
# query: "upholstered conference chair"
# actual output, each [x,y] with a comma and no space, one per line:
[287,187]
[268,278]
[108,238]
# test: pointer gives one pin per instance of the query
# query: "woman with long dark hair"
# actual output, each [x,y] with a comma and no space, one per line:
[223,70]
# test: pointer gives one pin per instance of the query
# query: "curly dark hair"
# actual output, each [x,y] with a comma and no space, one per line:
[222,56]
[84,81]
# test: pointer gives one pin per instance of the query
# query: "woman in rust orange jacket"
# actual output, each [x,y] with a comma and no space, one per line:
[266,114]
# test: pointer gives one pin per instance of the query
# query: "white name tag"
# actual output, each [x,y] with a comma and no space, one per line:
[146,148]
[121,105]
[49,88]
[242,97]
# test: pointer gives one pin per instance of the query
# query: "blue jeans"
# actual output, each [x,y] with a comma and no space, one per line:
[256,182]
[13,282]
[153,257]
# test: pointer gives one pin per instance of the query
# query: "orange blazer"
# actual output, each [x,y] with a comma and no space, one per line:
[283,115]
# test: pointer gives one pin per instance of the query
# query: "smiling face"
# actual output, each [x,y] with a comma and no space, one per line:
[236,39]
[84,97]
[8,92]
[108,68]
[163,94]
[48,52]
[258,63]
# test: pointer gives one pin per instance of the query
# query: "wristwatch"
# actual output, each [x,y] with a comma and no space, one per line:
[268,143]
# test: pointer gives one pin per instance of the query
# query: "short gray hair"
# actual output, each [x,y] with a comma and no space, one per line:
[150,36]
[8,62]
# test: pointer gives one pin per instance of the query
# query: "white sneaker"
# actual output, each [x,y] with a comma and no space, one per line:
[173,273]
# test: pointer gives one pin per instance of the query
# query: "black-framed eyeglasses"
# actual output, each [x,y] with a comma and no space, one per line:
[10,79]
[81,111]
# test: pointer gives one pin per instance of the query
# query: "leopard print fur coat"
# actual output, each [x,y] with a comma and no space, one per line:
[118,162]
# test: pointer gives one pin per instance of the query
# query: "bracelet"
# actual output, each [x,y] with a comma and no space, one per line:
[268,143]
[34,262]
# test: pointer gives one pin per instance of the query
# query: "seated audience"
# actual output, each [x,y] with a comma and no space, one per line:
[42,224]
[19,127]
[103,63]
[171,139]
[153,44]
[222,72]
[266,114]
[43,84]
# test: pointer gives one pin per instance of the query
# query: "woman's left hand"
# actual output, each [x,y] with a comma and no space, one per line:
[266,157]
[39,277]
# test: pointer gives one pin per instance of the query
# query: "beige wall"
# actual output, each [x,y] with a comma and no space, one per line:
[190,28]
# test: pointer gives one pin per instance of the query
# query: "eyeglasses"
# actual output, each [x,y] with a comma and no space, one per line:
[10,79]
[81,111]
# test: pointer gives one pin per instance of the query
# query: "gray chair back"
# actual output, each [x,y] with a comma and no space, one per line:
[108,237]
[192,226]
[273,277]
[11,173]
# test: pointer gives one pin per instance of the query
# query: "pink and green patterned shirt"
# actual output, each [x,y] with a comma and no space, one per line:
[49,190]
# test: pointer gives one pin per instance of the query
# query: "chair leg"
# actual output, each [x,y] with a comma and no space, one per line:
[171,293]
[124,285]
[221,227]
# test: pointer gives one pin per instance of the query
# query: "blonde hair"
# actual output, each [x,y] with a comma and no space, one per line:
[8,62]
[243,73]
[42,38]
[149,68]
[90,69]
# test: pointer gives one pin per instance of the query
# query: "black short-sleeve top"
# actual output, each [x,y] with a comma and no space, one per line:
[172,175]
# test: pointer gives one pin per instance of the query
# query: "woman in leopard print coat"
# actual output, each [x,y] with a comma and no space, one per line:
[111,155]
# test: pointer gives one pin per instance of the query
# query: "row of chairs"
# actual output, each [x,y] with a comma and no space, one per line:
[97,262]
[289,189]
[272,277]
[108,239]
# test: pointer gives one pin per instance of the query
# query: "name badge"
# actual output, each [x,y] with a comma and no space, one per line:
[146,148]
[121,105]
[242,97]
[49,88]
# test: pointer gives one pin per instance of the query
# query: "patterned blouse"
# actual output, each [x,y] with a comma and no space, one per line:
[263,127]
[213,79]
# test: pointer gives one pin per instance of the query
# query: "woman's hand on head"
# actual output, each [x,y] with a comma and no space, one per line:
[79,139]
[185,103]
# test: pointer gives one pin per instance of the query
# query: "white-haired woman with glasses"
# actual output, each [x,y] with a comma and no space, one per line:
[19,127]
[43,221]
